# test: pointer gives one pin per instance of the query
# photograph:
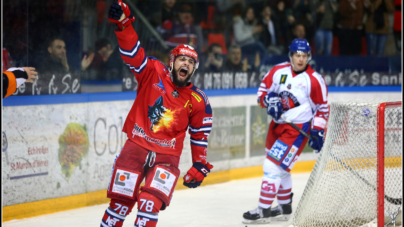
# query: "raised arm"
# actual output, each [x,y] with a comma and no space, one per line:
[129,45]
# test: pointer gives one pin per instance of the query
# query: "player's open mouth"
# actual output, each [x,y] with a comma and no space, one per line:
[183,72]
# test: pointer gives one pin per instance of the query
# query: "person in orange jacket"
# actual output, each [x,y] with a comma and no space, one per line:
[15,77]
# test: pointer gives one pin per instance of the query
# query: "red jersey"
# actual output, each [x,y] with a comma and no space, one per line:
[162,112]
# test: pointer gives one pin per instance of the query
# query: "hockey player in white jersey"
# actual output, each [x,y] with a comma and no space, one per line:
[298,92]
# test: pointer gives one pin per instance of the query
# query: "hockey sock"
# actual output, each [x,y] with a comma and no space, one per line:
[285,190]
[269,188]
[116,212]
[148,210]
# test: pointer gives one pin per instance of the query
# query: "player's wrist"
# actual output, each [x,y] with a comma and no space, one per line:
[317,128]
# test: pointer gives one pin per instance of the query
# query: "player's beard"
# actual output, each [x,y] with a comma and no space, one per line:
[178,82]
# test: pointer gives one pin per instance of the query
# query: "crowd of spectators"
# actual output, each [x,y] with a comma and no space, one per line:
[233,35]
[266,28]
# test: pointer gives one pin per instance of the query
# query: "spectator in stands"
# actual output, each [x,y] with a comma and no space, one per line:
[233,61]
[302,11]
[56,61]
[181,31]
[168,11]
[214,62]
[231,8]
[283,16]
[166,14]
[246,33]
[377,25]
[325,16]
[270,34]
[397,23]
[228,9]
[104,64]
[350,26]
[299,31]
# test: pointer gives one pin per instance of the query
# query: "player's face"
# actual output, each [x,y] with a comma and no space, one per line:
[183,68]
[299,61]
[58,49]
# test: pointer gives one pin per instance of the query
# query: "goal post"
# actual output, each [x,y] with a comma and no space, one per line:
[387,130]
[357,178]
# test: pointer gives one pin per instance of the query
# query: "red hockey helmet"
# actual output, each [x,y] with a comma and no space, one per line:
[183,50]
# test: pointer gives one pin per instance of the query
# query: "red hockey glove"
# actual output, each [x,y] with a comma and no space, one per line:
[120,14]
[196,174]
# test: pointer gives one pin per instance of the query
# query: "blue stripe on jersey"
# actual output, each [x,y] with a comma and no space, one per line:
[140,68]
[199,143]
[298,142]
[130,53]
[151,216]
[112,213]
[206,129]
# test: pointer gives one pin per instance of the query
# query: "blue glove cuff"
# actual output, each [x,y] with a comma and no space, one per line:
[201,168]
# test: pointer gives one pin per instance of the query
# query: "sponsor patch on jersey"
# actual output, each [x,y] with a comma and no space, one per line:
[291,154]
[160,87]
[278,150]
[207,120]
[293,162]
[199,99]
[139,131]
[163,180]
[283,78]
[124,182]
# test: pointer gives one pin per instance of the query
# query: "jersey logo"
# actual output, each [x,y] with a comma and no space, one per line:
[207,120]
[283,78]
[161,118]
[278,150]
[288,100]
[139,131]
[160,87]
[268,187]
[156,112]
[291,154]
[175,94]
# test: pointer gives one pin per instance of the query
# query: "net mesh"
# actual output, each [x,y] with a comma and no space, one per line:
[342,188]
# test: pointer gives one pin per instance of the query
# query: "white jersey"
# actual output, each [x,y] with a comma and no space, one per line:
[304,95]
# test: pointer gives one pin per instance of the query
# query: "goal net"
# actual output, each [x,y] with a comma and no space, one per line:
[350,184]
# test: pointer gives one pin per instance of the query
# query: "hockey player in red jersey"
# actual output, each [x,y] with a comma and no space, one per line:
[298,92]
[167,104]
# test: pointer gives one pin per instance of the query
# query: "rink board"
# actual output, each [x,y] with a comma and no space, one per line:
[59,156]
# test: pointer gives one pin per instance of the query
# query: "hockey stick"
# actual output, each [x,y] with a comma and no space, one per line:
[394,201]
